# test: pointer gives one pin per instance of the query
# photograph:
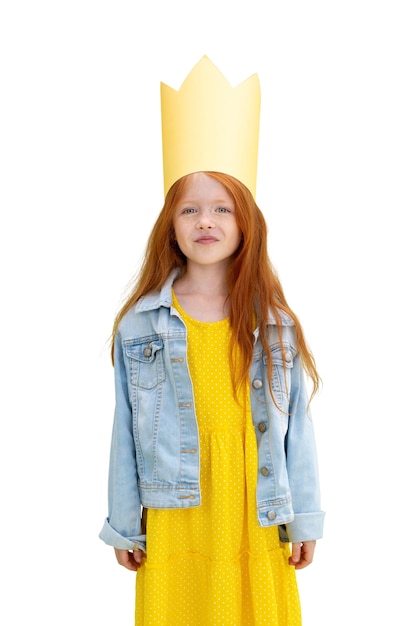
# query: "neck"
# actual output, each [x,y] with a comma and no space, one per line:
[207,279]
[202,293]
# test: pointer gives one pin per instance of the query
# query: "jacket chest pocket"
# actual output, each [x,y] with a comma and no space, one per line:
[282,364]
[146,364]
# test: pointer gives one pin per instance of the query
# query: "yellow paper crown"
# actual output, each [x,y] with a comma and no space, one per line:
[208,125]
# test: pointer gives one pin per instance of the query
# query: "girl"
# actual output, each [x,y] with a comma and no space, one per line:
[213,484]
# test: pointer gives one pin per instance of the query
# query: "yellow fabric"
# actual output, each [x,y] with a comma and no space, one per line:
[213,565]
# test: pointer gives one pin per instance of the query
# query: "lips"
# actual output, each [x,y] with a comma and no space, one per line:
[205,239]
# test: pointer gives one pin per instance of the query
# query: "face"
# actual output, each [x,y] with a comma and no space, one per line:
[205,223]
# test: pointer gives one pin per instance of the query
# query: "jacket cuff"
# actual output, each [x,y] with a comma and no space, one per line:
[112,538]
[304,527]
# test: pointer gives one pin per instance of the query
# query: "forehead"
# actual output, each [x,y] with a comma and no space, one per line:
[200,186]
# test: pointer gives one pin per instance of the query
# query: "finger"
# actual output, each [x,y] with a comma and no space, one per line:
[295,554]
[307,553]
[302,563]
[138,556]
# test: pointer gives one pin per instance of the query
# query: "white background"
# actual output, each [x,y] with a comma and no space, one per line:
[81,184]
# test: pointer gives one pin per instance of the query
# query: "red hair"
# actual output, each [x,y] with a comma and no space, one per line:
[253,283]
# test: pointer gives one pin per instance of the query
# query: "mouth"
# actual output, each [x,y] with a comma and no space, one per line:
[206,239]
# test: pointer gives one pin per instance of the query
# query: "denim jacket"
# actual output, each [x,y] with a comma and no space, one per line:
[154,458]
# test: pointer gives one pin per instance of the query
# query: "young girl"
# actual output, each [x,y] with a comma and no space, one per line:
[213,488]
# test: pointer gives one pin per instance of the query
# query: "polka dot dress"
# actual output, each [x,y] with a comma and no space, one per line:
[213,565]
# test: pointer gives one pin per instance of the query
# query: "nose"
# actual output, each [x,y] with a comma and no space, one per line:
[204,222]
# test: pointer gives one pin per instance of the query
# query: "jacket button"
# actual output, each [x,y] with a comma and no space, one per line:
[257,383]
[262,427]
[147,352]
[271,515]
[264,471]
[288,356]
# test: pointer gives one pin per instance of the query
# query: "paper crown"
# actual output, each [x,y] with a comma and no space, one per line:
[208,125]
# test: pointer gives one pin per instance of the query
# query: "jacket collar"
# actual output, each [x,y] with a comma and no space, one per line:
[156,299]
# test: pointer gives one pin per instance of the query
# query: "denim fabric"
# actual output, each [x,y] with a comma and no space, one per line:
[154,459]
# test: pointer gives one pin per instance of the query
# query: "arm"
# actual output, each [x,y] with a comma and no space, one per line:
[302,469]
[122,528]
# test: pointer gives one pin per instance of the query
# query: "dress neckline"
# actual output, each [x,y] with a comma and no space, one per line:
[192,320]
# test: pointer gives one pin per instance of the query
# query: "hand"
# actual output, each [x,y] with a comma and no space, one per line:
[130,560]
[302,554]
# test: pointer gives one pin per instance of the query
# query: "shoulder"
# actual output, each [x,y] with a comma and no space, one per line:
[286,320]
[159,298]
[283,334]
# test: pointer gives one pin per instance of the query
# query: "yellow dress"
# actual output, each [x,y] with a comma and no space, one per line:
[213,565]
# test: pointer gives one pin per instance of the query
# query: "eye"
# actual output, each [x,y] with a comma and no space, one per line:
[223,209]
[189,210]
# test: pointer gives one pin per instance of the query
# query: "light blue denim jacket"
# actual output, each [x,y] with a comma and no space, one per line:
[154,459]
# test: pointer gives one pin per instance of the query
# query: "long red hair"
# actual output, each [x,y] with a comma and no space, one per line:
[253,283]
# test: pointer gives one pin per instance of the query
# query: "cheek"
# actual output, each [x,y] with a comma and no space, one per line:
[238,236]
[176,231]
[180,236]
